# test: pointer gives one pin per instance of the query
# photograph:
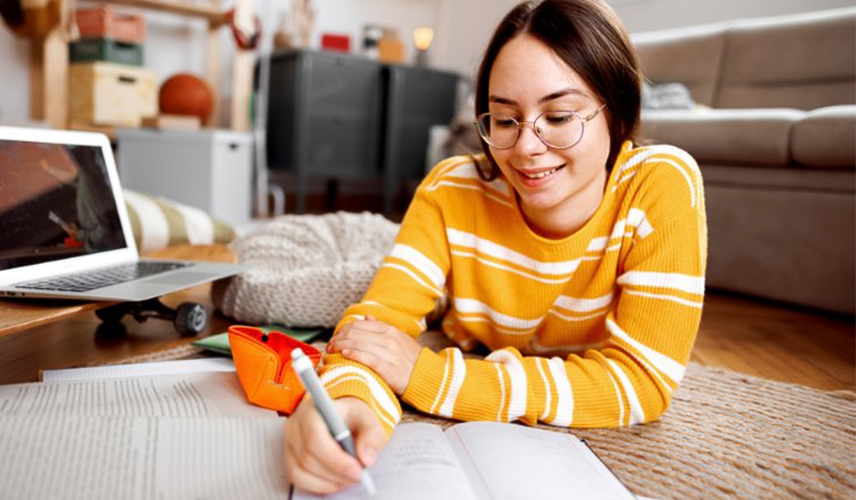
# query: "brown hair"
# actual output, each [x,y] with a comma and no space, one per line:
[590,38]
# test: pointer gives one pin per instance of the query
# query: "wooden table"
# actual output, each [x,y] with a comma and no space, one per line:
[36,335]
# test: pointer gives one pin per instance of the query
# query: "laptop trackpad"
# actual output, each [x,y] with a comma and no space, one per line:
[181,278]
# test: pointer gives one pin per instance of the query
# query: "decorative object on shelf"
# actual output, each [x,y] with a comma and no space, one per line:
[31,18]
[105,22]
[246,32]
[304,21]
[186,94]
[106,49]
[109,94]
[422,38]
[390,47]
[281,37]
[372,34]
[336,42]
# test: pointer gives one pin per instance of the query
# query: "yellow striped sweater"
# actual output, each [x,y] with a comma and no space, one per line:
[593,330]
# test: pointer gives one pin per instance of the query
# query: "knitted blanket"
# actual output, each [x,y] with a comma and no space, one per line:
[304,270]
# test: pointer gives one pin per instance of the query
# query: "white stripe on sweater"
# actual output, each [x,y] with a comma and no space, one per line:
[388,420]
[436,292]
[637,415]
[487,247]
[422,263]
[459,373]
[490,263]
[564,393]
[500,375]
[468,171]
[675,281]
[548,389]
[519,382]
[684,302]
[578,304]
[661,362]
[473,306]
[378,393]
[471,187]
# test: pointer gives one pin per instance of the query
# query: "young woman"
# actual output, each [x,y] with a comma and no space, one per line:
[574,255]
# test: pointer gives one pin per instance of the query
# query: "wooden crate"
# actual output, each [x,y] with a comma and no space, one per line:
[105,22]
[105,93]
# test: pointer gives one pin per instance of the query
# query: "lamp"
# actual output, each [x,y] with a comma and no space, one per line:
[422,38]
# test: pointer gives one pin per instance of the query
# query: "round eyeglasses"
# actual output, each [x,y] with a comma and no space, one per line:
[556,129]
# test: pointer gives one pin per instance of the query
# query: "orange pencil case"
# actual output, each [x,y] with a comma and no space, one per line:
[263,363]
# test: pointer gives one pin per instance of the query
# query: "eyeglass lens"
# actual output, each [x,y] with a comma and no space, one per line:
[559,129]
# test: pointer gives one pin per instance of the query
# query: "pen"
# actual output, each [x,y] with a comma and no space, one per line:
[340,432]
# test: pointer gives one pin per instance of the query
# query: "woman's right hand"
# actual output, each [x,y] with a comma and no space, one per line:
[314,461]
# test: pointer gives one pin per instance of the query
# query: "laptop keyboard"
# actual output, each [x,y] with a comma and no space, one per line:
[98,278]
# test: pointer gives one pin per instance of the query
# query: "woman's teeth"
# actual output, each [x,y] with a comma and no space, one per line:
[540,174]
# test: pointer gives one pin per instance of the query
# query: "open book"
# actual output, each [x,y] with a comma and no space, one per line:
[486,460]
[125,432]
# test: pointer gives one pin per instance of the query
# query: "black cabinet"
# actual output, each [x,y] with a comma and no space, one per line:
[324,116]
[415,98]
[338,115]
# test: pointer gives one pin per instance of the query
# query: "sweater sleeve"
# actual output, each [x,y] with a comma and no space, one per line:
[651,326]
[408,286]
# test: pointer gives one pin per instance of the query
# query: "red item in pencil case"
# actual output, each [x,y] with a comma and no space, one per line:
[263,362]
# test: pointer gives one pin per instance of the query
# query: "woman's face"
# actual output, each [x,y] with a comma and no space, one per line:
[528,79]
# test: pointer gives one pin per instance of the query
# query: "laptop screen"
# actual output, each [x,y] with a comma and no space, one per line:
[55,202]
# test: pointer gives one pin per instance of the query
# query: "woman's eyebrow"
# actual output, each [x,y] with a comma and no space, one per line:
[561,93]
[549,97]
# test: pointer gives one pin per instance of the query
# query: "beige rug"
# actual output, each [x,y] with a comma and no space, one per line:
[726,436]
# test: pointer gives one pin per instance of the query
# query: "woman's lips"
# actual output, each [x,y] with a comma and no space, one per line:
[538,178]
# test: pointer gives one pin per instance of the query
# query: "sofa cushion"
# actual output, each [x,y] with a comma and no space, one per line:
[158,222]
[741,136]
[826,138]
[802,61]
[688,55]
[797,179]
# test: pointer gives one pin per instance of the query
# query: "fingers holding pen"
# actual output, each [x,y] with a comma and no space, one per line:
[314,461]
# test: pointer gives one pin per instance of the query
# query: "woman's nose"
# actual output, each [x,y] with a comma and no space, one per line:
[528,142]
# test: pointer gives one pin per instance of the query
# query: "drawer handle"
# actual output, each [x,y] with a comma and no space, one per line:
[127,79]
[233,146]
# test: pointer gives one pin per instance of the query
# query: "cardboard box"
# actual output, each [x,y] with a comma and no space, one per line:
[103,93]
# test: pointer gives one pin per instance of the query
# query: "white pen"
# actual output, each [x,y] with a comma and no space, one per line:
[340,432]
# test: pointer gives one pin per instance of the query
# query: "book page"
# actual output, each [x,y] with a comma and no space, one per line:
[140,369]
[513,462]
[189,395]
[417,463]
[141,458]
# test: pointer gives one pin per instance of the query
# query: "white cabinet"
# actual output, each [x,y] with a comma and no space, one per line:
[210,169]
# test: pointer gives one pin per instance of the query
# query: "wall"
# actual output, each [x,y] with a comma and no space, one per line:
[177,44]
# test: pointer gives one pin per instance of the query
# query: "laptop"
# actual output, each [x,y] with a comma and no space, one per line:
[64,228]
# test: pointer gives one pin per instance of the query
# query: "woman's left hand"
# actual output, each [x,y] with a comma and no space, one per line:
[388,351]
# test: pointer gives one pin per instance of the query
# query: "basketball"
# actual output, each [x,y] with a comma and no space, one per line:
[185,94]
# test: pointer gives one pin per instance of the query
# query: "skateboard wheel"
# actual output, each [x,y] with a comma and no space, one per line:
[190,318]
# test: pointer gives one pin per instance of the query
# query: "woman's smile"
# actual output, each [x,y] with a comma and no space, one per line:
[534,178]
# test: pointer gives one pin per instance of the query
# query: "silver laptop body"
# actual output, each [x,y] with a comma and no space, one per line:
[63,220]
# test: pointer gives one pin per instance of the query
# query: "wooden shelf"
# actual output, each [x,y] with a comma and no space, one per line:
[213,15]
[49,64]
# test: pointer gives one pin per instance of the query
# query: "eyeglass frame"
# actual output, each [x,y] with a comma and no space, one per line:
[522,123]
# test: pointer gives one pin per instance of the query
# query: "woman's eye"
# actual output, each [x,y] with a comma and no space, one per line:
[559,118]
[504,122]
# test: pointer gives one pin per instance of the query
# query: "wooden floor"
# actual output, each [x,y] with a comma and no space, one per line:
[779,342]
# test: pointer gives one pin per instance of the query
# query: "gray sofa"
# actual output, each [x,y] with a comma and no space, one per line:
[775,136]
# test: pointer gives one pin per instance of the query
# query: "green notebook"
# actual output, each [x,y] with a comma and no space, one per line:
[220,342]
